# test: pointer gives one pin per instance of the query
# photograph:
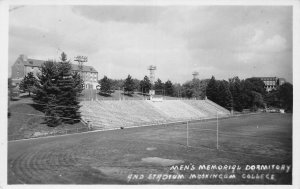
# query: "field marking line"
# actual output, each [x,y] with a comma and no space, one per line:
[118,128]
[112,129]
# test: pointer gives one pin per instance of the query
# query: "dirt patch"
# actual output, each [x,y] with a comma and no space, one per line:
[161,161]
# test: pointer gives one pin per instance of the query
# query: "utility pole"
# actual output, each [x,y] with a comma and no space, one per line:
[187,133]
[81,60]
[217,131]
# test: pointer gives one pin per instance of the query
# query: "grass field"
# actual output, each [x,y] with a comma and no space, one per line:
[158,154]
[27,121]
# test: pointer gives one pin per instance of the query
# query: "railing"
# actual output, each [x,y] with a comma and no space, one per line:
[140,124]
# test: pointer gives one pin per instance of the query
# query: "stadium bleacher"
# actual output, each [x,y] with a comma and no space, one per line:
[108,114]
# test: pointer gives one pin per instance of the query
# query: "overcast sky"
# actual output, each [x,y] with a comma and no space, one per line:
[224,41]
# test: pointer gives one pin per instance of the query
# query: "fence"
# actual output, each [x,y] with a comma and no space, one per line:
[142,124]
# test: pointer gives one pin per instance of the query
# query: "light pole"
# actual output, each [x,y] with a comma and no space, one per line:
[97,88]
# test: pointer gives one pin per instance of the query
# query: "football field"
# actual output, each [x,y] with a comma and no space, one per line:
[249,149]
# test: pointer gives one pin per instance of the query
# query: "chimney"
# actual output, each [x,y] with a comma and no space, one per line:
[23,57]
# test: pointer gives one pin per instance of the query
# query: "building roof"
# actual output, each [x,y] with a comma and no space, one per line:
[267,78]
[38,63]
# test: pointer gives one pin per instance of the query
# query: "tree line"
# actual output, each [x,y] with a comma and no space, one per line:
[234,94]
[250,93]
[131,85]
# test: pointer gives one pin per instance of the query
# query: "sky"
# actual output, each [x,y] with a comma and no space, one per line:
[224,41]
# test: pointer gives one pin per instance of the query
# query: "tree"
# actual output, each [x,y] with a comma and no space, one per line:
[253,93]
[187,89]
[257,85]
[178,89]
[158,85]
[105,85]
[128,85]
[224,95]
[236,92]
[169,89]
[272,99]
[136,84]
[58,88]
[212,90]
[117,84]
[27,83]
[196,88]
[257,100]
[10,89]
[70,87]
[286,96]
[145,85]
[46,92]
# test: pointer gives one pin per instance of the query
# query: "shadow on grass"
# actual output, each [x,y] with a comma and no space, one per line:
[127,94]
[25,96]
[104,94]
[142,94]
[38,107]
[15,99]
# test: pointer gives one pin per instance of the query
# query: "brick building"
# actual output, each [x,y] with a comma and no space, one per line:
[23,65]
[272,82]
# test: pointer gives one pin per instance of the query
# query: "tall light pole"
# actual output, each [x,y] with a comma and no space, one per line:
[81,60]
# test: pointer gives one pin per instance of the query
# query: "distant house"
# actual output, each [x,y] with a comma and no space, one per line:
[24,65]
[272,82]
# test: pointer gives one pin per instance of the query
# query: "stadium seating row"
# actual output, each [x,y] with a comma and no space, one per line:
[115,114]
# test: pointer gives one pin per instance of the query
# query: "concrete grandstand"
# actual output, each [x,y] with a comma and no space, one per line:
[109,114]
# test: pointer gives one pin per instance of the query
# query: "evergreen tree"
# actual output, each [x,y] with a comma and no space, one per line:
[105,84]
[236,92]
[212,90]
[128,85]
[46,92]
[69,90]
[158,85]
[286,96]
[145,85]
[58,87]
[28,82]
[224,97]
[169,89]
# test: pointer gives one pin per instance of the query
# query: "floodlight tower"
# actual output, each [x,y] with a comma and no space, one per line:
[195,75]
[80,60]
[152,73]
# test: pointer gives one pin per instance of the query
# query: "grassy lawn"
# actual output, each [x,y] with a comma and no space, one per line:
[113,157]
[21,125]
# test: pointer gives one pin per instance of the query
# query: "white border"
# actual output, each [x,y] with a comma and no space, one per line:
[4,6]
